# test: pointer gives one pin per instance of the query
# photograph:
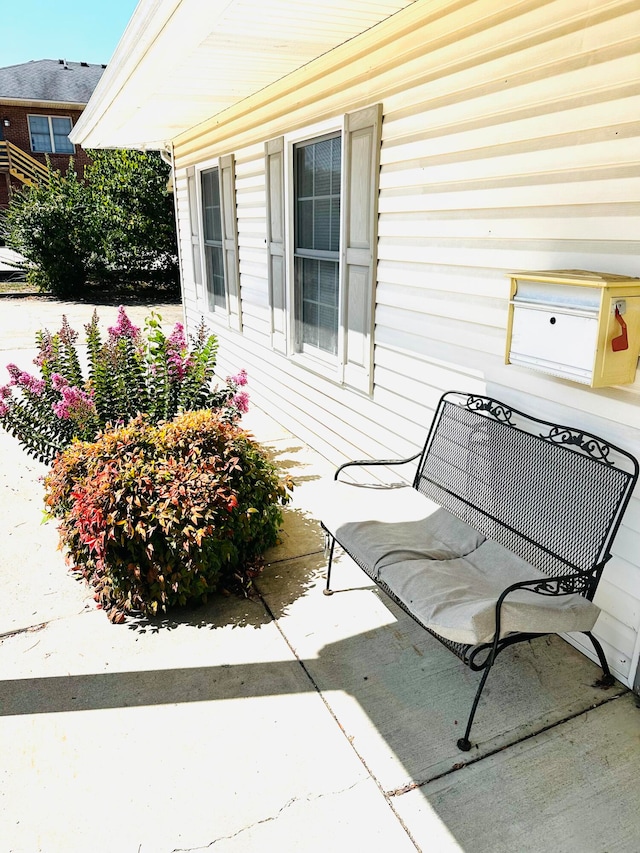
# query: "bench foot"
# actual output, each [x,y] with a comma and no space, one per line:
[605,682]
[464,744]
[329,541]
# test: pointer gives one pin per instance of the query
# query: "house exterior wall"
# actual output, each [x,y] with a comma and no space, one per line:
[509,142]
[18,133]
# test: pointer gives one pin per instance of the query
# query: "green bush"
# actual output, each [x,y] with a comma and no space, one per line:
[52,225]
[158,516]
[134,216]
[130,372]
[115,227]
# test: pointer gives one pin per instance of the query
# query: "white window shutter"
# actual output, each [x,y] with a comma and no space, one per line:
[230,238]
[359,242]
[274,169]
[194,226]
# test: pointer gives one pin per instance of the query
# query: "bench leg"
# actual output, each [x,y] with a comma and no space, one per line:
[464,743]
[607,679]
[327,590]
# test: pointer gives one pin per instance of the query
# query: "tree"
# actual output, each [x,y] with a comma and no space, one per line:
[52,226]
[117,225]
[134,215]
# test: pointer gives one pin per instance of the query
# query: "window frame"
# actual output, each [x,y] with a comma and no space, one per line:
[301,254]
[215,244]
[361,133]
[314,358]
[49,119]
[232,309]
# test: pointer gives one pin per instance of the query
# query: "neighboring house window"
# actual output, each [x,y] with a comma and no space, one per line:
[220,239]
[50,134]
[322,294]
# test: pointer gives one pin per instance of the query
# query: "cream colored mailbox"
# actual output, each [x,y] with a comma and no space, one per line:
[583,326]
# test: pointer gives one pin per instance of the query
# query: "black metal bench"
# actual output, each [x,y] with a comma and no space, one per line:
[503,535]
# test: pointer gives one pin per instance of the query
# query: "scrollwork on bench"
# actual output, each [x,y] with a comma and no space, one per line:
[497,410]
[594,448]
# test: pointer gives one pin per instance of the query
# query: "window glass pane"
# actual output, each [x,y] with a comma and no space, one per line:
[328,283]
[61,129]
[336,160]
[335,224]
[215,278]
[40,136]
[328,329]
[304,171]
[322,224]
[310,323]
[322,172]
[319,295]
[304,230]
[211,205]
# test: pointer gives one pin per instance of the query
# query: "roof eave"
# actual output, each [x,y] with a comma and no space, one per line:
[32,102]
[150,18]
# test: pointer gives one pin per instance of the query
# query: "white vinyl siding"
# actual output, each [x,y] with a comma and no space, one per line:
[510,141]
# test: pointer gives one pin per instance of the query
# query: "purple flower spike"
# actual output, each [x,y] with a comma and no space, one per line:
[240,378]
[178,359]
[123,328]
[76,404]
[58,382]
[241,402]
[30,383]
[14,372]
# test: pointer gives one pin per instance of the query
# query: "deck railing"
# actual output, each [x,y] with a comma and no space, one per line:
[21,165]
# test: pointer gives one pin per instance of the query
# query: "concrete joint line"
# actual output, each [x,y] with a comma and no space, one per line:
[297,557]
[398,792]
[338,723]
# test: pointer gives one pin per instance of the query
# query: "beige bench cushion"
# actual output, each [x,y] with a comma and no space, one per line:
[382,526]
[457,598]
[441,568]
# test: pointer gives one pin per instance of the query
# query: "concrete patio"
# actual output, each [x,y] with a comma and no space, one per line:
[290,721]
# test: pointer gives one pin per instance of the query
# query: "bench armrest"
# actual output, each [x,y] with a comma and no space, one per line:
[368,462]
[563,585]
[583,583]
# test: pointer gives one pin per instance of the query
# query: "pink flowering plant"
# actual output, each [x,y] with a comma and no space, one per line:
[130,372]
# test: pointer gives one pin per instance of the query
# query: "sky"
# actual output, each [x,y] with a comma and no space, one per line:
[75,30]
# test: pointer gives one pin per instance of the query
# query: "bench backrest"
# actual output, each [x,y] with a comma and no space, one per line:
[554,495]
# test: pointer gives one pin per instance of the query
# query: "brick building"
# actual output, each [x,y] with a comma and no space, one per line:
[40,101]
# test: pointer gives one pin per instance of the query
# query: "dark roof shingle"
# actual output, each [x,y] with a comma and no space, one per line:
[50,80]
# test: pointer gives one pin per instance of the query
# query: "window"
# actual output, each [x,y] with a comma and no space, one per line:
[317,171]
[50,134]
[220,240]
[212,231]
[321,245]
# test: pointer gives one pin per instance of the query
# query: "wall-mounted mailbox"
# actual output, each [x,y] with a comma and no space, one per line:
[583,326]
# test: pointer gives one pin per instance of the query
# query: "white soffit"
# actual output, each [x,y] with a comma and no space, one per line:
[180,62]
